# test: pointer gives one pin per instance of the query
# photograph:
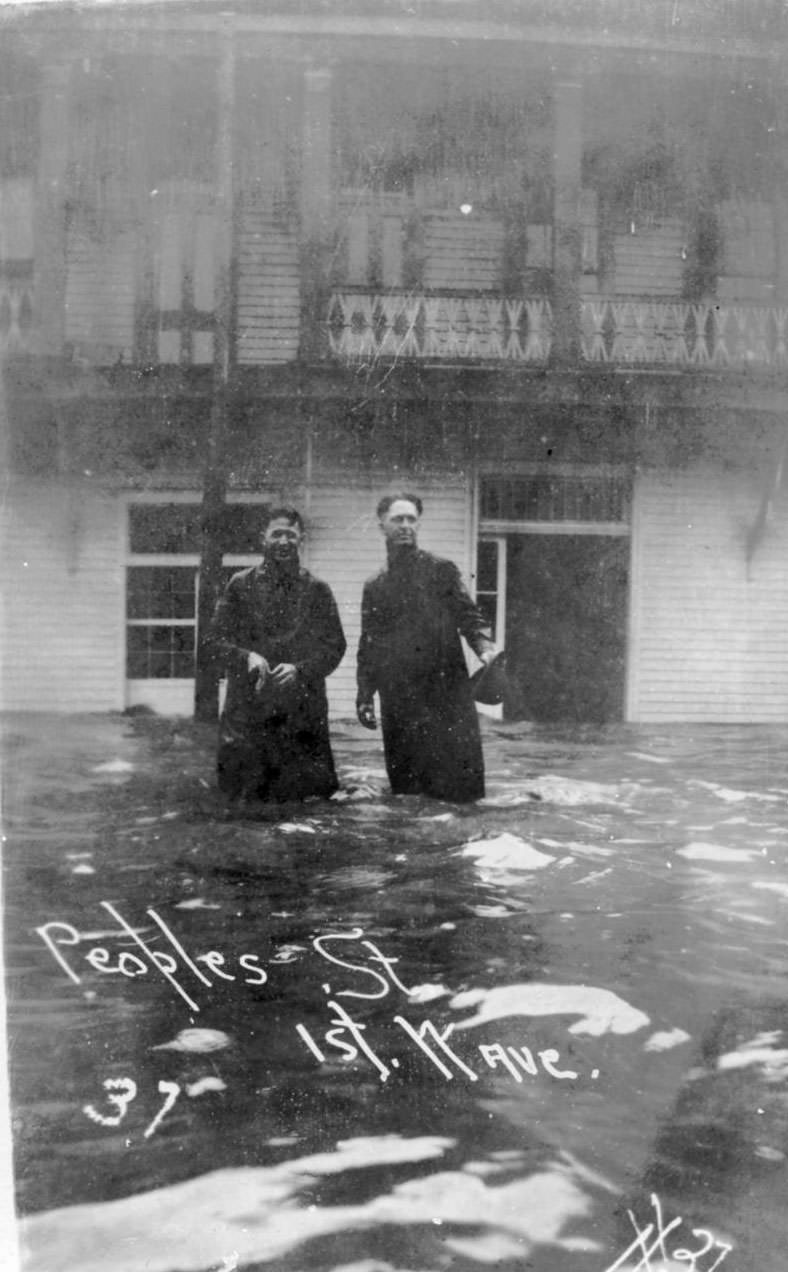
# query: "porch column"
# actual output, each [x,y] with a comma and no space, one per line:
[206,685]
[567,231]
[49,270]
[316,204]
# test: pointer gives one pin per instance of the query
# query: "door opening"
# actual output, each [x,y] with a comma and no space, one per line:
[566,623]
[553,580]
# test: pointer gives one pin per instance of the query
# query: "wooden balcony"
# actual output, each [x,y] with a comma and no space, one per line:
[16,310]
[682,334]
[365,326]
[444,328]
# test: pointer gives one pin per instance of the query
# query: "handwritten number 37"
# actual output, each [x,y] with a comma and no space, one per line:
[120,1093]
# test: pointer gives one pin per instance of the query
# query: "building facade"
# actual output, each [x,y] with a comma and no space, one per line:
[527,258]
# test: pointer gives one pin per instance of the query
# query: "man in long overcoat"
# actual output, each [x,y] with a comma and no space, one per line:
[412,616]
[278,634]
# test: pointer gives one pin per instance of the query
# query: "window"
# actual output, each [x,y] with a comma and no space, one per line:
[558,497]
[162,581]
[175,528]
[487,581]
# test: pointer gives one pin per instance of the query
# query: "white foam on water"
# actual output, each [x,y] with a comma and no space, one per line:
[82,868]
[256,1212]
[196,903]
[294,828]
[652,759]
[426,993]
[769,1154]
[732,796]
[492,911]
[716,852]
[208,1083]
[759,1052]
[114,766]
[287,953]
[596,875]
[589,850]
[743,917]
[555,789]
[507,851]
[665,1039]
[767,886]
[196,1041]
[600,1010]
[360,793]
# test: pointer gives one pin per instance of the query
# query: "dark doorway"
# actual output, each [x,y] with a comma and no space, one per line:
[566,619]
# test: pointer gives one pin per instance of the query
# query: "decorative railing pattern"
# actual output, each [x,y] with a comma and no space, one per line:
[364,326]
[367,326]
[685,334]
[16,314]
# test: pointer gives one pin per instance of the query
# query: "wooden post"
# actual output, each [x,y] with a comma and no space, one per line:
[49,278]
[316,201]
[567,231]
[206,681]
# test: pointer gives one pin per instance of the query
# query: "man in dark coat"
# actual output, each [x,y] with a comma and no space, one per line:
[412,616]
[277,632]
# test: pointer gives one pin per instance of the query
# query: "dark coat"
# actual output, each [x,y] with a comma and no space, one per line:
[412,616]
[274,743]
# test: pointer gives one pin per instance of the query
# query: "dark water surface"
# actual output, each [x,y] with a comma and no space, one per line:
[605,933]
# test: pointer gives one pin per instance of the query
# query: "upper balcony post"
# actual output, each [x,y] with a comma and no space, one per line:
[567,232]
[316,205]
[49,237]
[206,682]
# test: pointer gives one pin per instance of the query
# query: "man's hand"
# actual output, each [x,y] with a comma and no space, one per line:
[488,655]
[284,674]
[258,668]
[366,714]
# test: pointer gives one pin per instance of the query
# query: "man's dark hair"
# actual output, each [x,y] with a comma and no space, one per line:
[388,500]
[284,512]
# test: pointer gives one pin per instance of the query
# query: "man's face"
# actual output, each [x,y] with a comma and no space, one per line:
[400,525]
[281,540]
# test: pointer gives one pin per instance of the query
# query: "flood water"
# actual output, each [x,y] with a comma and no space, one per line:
[280,1089]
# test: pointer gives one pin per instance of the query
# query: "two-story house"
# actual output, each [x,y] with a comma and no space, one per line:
[526,257]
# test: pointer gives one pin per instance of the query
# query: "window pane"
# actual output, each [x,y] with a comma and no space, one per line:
[160,591]
[487,566]
[138,584]
[159,665]
[137,653]
[160,653]
[164,527]
[242,529]
[175,528]
[570,497]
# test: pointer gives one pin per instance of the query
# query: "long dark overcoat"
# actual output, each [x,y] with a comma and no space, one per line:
[274,743]
[412,616]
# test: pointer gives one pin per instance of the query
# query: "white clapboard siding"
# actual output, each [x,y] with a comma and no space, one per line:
[463,253]
[346,548]
[61,576]
[649,262]
[748,238]
[269,294]
[709,644]
[100,295]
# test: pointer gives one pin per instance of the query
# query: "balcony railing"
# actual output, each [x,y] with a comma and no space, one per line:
[364,326]
[390,327]
[16,312]
[684,334]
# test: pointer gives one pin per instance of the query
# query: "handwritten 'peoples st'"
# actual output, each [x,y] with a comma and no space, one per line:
[58,936]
